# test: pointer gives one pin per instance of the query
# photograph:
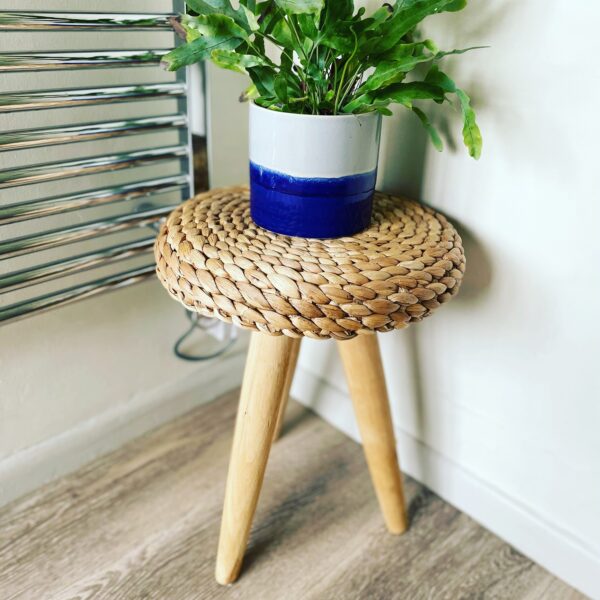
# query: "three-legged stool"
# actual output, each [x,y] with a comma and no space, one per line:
[213,259]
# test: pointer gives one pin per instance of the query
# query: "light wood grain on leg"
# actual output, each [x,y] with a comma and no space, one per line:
[366,380]
[264,379]
[285,395]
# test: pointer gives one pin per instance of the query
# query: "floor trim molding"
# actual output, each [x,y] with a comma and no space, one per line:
[24,471]
[558,551]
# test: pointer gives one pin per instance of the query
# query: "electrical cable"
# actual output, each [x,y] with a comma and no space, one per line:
[204,324]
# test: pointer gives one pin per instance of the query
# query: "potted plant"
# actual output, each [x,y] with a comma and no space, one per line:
[322,76]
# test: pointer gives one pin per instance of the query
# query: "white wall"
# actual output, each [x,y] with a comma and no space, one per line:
[497,398]
[82,380]
[228,123]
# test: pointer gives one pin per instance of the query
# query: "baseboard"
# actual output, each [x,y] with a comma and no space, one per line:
[24,471]
[558,551]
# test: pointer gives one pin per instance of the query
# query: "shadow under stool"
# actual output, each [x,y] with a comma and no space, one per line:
[213,259]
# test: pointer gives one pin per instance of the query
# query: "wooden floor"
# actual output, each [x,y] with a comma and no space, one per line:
[143,522]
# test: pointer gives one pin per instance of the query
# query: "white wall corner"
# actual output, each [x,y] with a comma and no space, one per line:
[557,550]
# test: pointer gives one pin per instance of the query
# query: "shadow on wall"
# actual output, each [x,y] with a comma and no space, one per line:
[476,283]
[478,275]
[403,154]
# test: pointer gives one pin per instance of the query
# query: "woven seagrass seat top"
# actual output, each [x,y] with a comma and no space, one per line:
[213,259]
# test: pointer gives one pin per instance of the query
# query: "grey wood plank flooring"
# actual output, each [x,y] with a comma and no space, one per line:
[142,523]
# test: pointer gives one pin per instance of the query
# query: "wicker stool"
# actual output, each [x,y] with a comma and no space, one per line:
[213,259]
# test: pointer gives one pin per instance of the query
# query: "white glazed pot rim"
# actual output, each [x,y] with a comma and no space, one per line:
[314,146]
[367,115]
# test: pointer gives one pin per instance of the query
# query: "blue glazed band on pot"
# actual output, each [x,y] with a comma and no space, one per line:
[311,207]
[312,176]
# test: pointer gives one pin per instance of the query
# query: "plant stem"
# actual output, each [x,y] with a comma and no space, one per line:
[336,105]
[312,92]
[351,84]
[339,88]
[295,32]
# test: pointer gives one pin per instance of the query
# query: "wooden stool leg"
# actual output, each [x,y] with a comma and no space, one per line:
[285,395]
[366,380]
[264,379]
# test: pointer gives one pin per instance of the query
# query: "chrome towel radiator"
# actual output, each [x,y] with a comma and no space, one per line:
[94,151]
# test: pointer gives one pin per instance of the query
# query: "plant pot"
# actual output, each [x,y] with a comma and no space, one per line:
[312,176]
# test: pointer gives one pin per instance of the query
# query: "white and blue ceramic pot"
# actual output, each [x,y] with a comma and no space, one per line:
[310,175]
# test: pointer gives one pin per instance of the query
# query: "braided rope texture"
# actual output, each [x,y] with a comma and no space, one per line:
[215,260]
